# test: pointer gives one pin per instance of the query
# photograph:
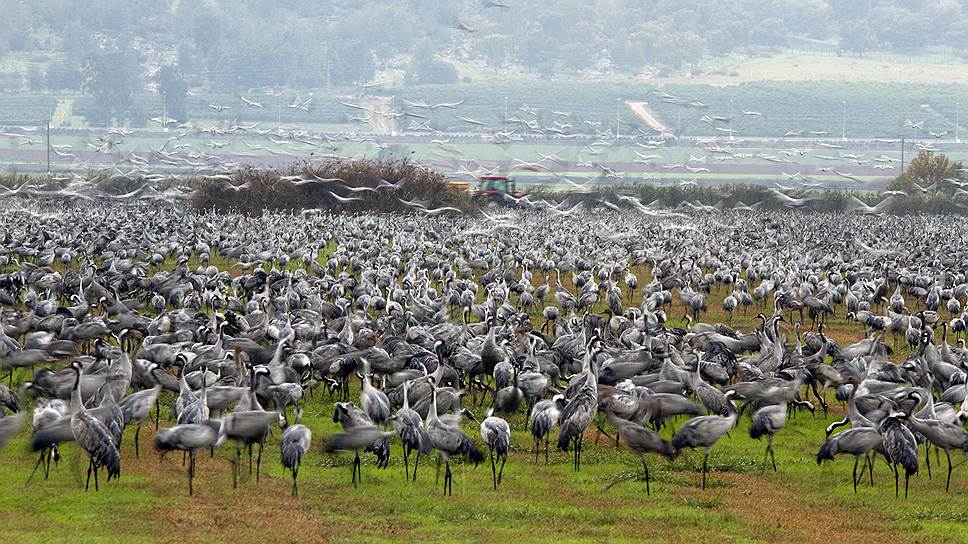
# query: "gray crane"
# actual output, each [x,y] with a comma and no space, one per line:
[9,399]
[704,432]
[137,407]
[496,433]
[195,408]
[856,441]
[901,448]
[248,427]
[448,440]
[355,439]
[767,421]
[9,426]
[411,432]
[190,437]
[642,441]
[93,436]
[544,416]
[296,440]
[373,401]
[581,409]
[946,436]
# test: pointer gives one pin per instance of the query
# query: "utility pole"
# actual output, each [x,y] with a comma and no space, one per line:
[618,118]
[505,114]
[843,120]
[957,120]
[49,115]
[902,154]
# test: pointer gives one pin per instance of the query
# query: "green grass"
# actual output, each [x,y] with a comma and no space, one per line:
[542,502]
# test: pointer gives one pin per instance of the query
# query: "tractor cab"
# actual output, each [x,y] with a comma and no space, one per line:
[494,188]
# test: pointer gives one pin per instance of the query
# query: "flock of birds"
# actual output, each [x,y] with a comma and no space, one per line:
[545,316]
[104,320]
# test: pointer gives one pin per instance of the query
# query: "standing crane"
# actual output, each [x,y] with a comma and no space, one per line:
[448,440]
[641,441]
[705,432]
[544,416]
[581,409]
[767,421]
[901,448]
[296,440]
[190,437]
[496,433]
[411,432]
[93,436]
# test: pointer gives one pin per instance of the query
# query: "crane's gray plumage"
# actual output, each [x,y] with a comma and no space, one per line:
[93,436]
[496,434]
[704,432]
[296,440]
[190,437]
[901,448]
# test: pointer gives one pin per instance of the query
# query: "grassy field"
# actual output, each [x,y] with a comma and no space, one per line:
[805,66]
[539,502]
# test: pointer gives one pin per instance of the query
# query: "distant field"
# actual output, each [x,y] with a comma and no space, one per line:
[801,66]
[859,108]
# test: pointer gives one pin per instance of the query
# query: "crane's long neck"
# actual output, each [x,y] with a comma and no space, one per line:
[406,400]
[204,384]
[433,404]
[76,404]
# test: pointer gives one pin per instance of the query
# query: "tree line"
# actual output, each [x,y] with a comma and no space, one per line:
[309,44]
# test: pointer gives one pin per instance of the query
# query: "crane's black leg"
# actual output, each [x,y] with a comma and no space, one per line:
[250,459]
[406,462]
[948,483]
[500,473]
[295,490]
[88,483]
[356,463]
[448,480]
[547,440]
[536,451]
[40,460]
[854,478]
[493,468]
[927,457]
[907,478]
[157,412]
[416,460]
[772,453]
[137,431]
[258,463]
[870,467]
[645,465]
[96,488]
[897,491]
